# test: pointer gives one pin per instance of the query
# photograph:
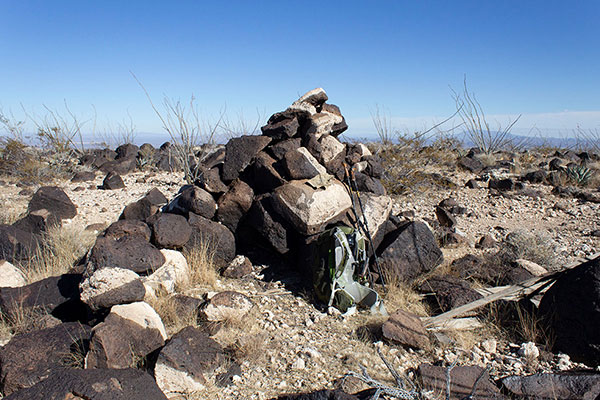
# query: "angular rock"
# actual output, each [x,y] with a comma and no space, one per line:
[217,238]
[311,101]
[36,222]
[263,218]
[531,267]
[127,150]
[129,252]
[128,227]
[462,381]
[486,242]
[325,123]
[331,148]
[238,154]
[141,210]
[300,164]
[535,176]
[30,357]
[366,183]
[472,184]
[307,209]
[377,210]
[471,164]
[226,306]
[210,180]
[449,292]
[96,384]
[11,276]
[445,218]
[554,386]
[501,184]
[282,125]
[55,200]
[409,251]
[280,149]
[188,362]
[406,329]
[17,244]
[155,197]
[172,274]
[170,230]
[571,309]
[234,204]
[129,331]
[121,166]
[107,287]
[265,174]
[238,268]
[113,181]
[57,295]
[83,176]
[338,127]
[193,199]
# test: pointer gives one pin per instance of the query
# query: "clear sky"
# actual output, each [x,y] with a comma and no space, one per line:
[536,58]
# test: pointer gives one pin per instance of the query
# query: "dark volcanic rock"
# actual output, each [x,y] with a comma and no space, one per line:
[263,218]
[55,200]
[571,309]
[210,180]
[121,166]
[127,151]
[171,230]
[113,181]
[155,197]
[365,183]
[234,204]
[445,218]
[36,222]
[471,164]
[58,295]
[238,154]
[462,380]
[30,357]
[449,292]
[93,384]
[265,174]
[281,148]
[193,199]
[409,251]
[129,252]
[217,237]
[501,184]
[407,329]
[127,227]
[83,176]
[554,386]
[16,244]
[535,176]
[140,210]
[283,125]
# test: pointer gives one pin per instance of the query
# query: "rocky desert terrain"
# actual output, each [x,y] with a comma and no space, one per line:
[198,285]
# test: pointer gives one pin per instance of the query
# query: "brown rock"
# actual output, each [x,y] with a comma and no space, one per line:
[407,329]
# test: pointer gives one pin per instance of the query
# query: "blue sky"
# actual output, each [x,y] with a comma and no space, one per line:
[536,58]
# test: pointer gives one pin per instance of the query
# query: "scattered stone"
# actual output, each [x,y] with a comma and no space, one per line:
[107,287]
[188,362]
[263,218]
[471,164]
[226,306]
[36,222]
[407,329]
[486,242]
[445,218]
[529,351]
[462,381]
[531,267]
[212,236]
[449,292]
[83,176]
[501,184]
[238,268]
[193,199]
[128,227]
[472,184]
[112,181]
[55,200]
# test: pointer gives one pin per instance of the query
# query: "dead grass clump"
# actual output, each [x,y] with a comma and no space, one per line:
[243,336]
[201,262]
[487,159]
[21,320]
[60,248]
[173,317]
[530,246]
[400,295]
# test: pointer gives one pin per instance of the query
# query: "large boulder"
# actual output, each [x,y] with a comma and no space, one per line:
[127,227]
[36,222]
[30,357]
[127,150]
[210,180]
[140,210]
[217,238]
[193,199]
[93,384]
[449,292]
[376,209]
[283,125]
[571,309]
[226,306]
[129,252]
[121,166]
[409,251]
[57,295]
[279,150]
[110,286]
[170,230]
[188,362]
[234,204]
[129,332]
[266,176]
[309,210]
[263,218]
[239,152]
[55,200]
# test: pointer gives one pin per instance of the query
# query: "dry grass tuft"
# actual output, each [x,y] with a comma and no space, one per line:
[172,316]
[244,337]
[61,247]
[400,295]
[21,320]
[203,270]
